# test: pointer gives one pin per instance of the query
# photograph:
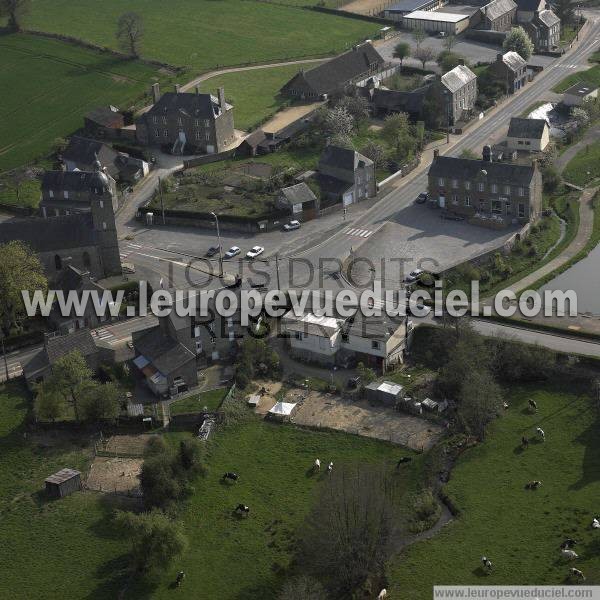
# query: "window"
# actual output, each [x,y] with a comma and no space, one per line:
[298,335]
[454,199]
[455,183]
[166,133]
[56,212]
[508,208]
[155,119]
[156,133]
[345,338]
[467,185]
[520,142]
[467,200]
[507,189]
[521,191]
[481,186]
[66,194]
[497,207]
[441,182]
[198,136]
[375,345]
[51,193]
[494,188]
[104,225]
[164,120]
[208,136]
[521,210]
[206,123]
[101,203]
[179,121]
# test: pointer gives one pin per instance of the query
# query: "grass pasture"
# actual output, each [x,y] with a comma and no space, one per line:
[204,34]
[196,403]
[584,167]
[52,85]
[519,530]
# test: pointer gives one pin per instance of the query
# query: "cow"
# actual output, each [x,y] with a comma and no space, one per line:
[573,572]
[487,563]
[541,433]
[595,524]
[329,468]
[180,578]
[382,594]
[533,485]
[569,554]
[230,476]
[568,543]
[242,509]
[317,465]
[533,405]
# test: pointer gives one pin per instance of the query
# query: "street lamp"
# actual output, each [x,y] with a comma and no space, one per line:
[447,97]
[220,248]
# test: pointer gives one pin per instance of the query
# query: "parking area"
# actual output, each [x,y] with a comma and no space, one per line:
[419,237]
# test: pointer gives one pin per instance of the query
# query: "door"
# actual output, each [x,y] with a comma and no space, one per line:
[442,202]
[348,198]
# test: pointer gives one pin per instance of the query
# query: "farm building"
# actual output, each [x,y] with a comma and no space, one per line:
[449,23]
[63,483]
[579,93]
[386,392]
[404,7]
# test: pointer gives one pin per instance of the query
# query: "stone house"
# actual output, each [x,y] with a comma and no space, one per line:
[510,70]
[486,192]
[299,201]
[346,175]
[498,15]
[544,30]
[461,84]
[187,123]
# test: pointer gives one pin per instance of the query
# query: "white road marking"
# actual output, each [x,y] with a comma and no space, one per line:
[364,233]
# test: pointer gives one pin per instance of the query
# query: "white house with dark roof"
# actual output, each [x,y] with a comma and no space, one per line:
[461,84]
[544,30]
[528,135]
[579,93]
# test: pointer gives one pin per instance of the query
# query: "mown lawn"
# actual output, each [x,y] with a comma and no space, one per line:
[204,34]
[48,86]
[244,559]
[584,167]
[49,549]
[254,94]
[197,403]
[591,75]
[519,530]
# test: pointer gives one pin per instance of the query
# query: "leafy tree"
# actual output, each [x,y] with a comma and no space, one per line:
[518,41]
[20,269]
[424,54]
[130,30]
[338,121]
[395,127]
[356,106]
[14,11]
[366,373]
[420,133]
[551,178]
[419,36]
[101,402]
[447,60]
[580,116]
[159,482]
[480,402]
[376,152]
[190,455]
[49,402]
[435,108]
[302,587]
[155,539]
[565,11]
[466,153]
[401,51]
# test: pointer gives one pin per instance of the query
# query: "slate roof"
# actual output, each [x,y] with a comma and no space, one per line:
[526,128]
[580,89]
[547,18]
[165,353]
[59,345]
[496,9]
[74,181]
[338,71]
[410,102]
[298,194]
[407,5]
[513,61]
[86,151]
[342,158]
[107,116]
[457,78]
[202,106]
[54,233]
[468,169]
[255,138]
[528,5]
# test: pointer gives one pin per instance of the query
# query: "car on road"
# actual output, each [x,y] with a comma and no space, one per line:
[422,198]
[254,251]
[212,251]
[414,275]
[233,251]
[291,226]
[452,217]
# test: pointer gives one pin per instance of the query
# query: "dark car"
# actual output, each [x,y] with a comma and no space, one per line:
[212,251]
[422,198]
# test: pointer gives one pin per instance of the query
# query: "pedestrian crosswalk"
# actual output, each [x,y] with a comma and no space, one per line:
[128,248]
[103,334]
[363,233]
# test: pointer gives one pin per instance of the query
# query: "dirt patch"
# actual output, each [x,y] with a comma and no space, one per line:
[269,398]
[361,418]
[115,475]
[126,445]
[365,7]
[289,115]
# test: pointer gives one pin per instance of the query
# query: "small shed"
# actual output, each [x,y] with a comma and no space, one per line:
[282,411]
[63,483]
[386,392]
[254,400]
[579,93]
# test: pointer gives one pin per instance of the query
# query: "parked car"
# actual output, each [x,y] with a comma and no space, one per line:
[422,198]
[291,226]
[254,251]
[212,251]
[233,251]
[414,275]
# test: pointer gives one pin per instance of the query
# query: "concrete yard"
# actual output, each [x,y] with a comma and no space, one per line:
[361,418]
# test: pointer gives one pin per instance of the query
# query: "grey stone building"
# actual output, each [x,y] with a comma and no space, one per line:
[498,15]
[187,123]
[461,85]
[485,192]
[346,175]
[544,30]
[511,70]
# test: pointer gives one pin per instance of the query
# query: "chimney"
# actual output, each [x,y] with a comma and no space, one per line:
[499,57]
[177,88]
[487,153]
[198,90]
[436,153]
[222,98]
[461,61]
[155,92]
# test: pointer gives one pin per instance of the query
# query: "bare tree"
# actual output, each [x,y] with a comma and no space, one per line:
[449,42]
[425,54]
[419,35]
[14,11]
[130,30]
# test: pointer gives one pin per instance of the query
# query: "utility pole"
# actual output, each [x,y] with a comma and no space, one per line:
[162,203]
[277,270]
[4,356]
[220,247]
[447,94]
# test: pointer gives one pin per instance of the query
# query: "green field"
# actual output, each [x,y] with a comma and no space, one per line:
[49,549]
[196,403]
[47,88]
[254,94]
[584,167]
[519,530]
[204,34]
